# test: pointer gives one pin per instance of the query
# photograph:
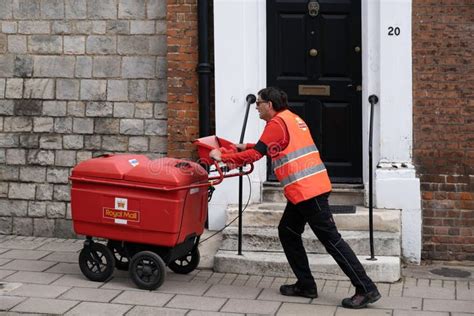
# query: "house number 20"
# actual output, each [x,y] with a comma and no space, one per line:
[393,31]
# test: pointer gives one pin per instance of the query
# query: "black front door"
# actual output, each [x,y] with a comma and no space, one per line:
[314,55]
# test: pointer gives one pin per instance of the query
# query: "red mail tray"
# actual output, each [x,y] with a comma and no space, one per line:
[208,143]
[132,198]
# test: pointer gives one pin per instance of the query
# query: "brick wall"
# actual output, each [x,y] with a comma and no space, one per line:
[78,78]
[183,95]
[443,89]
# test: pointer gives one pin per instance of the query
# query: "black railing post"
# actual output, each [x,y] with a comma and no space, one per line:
[373,99]
[249,99]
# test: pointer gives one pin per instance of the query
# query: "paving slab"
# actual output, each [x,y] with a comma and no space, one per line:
[33,277]
[145,298]
[232,291]
[28,265]
[90,294]
[253,281]
[306,310]
[214,279]
[39,290]
[153,311]
[76,280]
[465,294]
[16,243]
[419,313]
[171,276]
[62,246]
[250,306]
[186,288]
[24,254]
[45,306]
[8,302]
[65,268]
[407,303]
[426,271]
[5,273]
[436,283]
[396,289]
[119,283]
[341,311]
[384,289]
[428,292]
[197,302]
[3,261]
[99,309]
[332,299]
[70,257]
[274,295]
[438,305]
[207,313]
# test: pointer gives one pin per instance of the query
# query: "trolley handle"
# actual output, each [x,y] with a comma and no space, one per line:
[218,178]
[221,175]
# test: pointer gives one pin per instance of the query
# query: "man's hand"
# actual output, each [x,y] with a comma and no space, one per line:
[241,147]
[215,154]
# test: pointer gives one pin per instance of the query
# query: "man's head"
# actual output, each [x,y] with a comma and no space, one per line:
[270,101]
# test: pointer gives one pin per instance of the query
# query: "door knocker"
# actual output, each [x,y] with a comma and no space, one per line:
[313,8]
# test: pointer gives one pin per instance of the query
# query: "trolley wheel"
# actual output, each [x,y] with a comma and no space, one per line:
[186,264]
[96,262]
[147,270]
[120,254]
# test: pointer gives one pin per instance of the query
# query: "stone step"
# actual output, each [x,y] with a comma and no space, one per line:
[269,214]
[384,269]
[266,238]
[342,194]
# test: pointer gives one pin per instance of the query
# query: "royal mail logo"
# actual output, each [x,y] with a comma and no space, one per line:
[121,204]
[301,124]
[115,214]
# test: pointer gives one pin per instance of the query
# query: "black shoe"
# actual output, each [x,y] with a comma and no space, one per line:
[295,290]
[361,300]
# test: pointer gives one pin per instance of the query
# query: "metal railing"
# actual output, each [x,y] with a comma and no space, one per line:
[373,99]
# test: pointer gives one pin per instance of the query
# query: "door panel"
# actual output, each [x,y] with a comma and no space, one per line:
[320,51]
[292,52]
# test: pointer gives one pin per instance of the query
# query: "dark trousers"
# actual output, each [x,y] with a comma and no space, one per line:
[317,214]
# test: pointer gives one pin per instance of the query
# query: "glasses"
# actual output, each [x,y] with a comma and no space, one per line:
[260,102]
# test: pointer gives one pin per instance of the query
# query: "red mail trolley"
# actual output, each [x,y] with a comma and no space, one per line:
[151,212]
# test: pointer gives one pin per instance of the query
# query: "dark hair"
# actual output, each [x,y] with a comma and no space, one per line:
[278,97]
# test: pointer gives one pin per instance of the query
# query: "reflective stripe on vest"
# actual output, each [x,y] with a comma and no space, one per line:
[303,174]
[299,167]
[294,155]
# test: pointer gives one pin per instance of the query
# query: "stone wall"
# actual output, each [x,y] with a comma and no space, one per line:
[443,91]
[78,78]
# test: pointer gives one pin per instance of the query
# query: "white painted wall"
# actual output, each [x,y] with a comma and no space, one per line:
[240,68]
[396,184]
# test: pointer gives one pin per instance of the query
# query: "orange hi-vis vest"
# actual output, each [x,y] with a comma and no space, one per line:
[299,167]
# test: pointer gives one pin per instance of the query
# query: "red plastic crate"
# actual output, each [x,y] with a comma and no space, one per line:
[206,144]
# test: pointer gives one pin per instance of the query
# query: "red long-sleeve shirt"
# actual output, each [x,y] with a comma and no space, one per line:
[274,139]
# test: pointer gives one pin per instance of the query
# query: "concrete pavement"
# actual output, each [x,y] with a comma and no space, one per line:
[42,276]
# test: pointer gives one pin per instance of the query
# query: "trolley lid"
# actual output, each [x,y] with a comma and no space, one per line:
[168,172]
[109,166]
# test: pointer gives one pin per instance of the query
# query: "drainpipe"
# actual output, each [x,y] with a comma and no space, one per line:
[204,69]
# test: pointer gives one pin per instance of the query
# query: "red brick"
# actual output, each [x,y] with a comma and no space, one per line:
[183,123]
